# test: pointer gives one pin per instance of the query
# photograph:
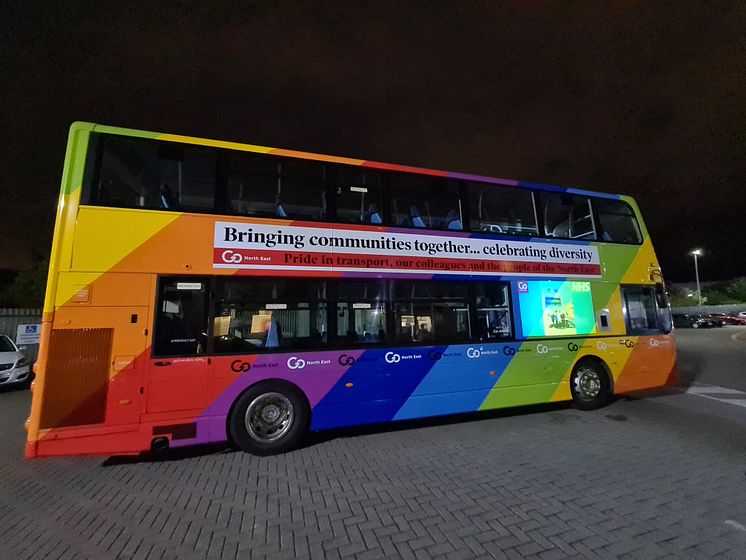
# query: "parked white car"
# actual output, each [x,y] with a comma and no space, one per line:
[15,368]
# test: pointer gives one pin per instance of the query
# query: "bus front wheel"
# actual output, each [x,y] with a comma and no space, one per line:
[590,385]
[269,418]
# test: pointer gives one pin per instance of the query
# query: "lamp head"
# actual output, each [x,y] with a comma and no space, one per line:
[697,252]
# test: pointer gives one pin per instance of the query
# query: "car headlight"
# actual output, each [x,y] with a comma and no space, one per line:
[23,362]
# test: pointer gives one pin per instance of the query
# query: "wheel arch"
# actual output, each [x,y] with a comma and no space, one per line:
[597,360]
[273,380]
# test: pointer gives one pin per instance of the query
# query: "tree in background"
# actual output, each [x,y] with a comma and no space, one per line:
[713,296]
[737,289]
[717,294]
[721,293]
[680,297]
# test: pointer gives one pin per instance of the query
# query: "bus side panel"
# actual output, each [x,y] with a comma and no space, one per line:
[98,342]
[458,381]
[434,381]
[651,364]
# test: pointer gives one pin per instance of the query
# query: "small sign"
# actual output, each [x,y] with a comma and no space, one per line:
[82,293]
[358,189]
[189,285]
[28,334]
[361,306]
[276,306]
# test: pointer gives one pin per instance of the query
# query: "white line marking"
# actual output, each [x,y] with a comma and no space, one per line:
[702,389]
[739,336]
[735,524]
[707,391]
[737,403]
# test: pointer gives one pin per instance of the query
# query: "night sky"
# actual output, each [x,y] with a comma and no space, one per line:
[626,98]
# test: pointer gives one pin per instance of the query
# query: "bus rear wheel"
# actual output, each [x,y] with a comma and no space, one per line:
[590,385]
[269,418]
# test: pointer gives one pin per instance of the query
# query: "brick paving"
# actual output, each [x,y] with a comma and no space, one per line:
[639,479]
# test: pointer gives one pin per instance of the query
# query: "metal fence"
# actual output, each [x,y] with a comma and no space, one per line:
[11,318]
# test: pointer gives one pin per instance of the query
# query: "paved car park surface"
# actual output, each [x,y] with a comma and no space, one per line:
[662,476]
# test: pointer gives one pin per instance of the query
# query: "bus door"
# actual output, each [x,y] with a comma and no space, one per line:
[179,370]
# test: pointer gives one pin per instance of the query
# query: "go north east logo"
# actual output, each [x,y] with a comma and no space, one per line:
[345,360]
[543,348]
[239,366]
[395,358]
[475,353]
[295,362]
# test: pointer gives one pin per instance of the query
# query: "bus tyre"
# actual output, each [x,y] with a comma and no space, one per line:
[271,417]
[590,385]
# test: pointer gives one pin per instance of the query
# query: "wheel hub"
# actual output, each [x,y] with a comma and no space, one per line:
[270,413]
[269,417]
[587,383]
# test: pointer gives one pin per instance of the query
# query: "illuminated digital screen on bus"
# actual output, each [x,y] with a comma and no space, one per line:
[556,308]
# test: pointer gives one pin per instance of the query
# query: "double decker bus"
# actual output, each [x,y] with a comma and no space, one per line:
[205,291]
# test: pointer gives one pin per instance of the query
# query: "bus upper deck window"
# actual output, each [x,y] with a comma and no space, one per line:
[358,195]
[271,187]
[617,221]
[423,202]
[500,209]
[141,173]
[568,216]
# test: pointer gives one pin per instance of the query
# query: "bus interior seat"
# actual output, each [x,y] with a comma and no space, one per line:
[562,230]
[274,337]
[453,220]
[168,200]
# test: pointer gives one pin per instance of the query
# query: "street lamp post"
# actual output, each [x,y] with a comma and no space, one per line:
[697,253]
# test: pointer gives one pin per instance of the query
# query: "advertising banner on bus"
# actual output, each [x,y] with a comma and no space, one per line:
[556,308]
[363,249]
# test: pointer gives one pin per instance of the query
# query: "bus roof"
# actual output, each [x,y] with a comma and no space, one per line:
[106,129]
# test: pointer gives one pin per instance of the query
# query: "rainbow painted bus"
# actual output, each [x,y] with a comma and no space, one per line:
[203,291]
